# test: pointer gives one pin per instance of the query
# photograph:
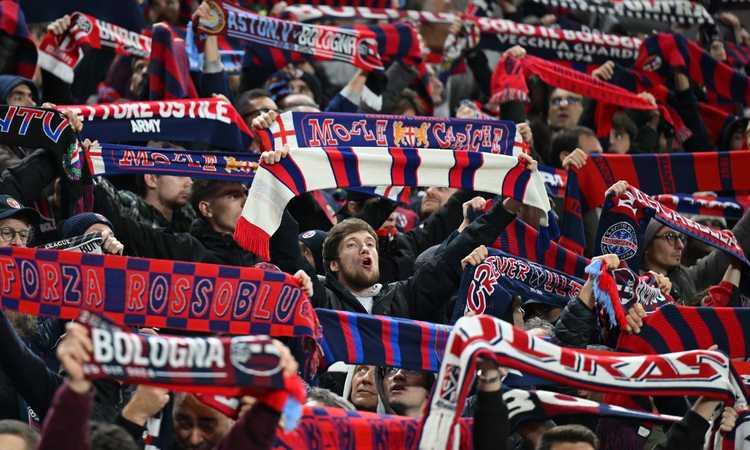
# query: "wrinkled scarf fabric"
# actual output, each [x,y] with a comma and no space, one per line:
[624,220]
[665,11]
[241,365]
[210,120]
[726,207]
[307,169]
[13,23]
[156,293]
[697,372]
[489,287]
[112,159]
[168,66]
[85,243]
[60,54]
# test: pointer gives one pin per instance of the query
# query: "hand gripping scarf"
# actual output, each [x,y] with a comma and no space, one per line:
[299,129]
[674,328]
[59,55]
[308,169]
[665,11]
[46,128]
[323,43]
[241,365]
[624,220]
[210,120]
[552,44]
[697,372]
[156,293]
[111,159]
[13,24]
[658,173]
[489,287]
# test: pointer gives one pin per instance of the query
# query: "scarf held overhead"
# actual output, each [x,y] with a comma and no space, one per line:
[624,219]
[324,43]
[665,11]
[60,54]
[211,120]
[218,365]
[301,129]
[309,169]
[155,293]
[697,372]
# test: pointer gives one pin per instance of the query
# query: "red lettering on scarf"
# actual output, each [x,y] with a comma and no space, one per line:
[223,299]
[381,139]
[71,284]
[136,288]
[7,274]
[320,136]
[261,309]
[94,295]
[286,303]
[440,128]
[157,293]
[132,158]
[246,291]
[29,279]
[50,278]
[180,291]
[202,295]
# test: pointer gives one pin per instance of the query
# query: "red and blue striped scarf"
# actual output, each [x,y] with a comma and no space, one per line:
[664,52]
[168,68]
[209,120]
[489,288]
[158,293]
[60,54]
[624,219]
[697,372]
[13,23]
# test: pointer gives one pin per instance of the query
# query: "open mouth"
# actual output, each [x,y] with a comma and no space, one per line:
[367,263]
[398,388]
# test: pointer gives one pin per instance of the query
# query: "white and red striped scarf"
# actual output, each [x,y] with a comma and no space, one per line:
[692,373]
[310,168]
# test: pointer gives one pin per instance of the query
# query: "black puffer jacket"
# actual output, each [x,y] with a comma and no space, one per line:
[575,327]
[423,296]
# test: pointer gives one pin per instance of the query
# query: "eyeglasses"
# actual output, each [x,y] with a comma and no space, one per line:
[672,238]
[8,234]
[558,101]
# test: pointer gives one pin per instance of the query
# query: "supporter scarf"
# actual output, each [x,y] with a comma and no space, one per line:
[665,11]
[489,288]
[554,179]
[323,43]
[111,159]
[521,239]
[211,120]
[59,55]
[46,128]
[85,243]
[309,169]
[240,365]
[673,328]
[299,129]
[168,66]
[624,220]
[13,23]
[658,173]
[726,207]
[692,373]
[556,44]
[381,340]
[738,55]
[158,293]
[663,53]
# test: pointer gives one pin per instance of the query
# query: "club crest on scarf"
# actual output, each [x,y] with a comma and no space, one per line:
[216,20]
[299,129]
[247,355]
[620,239]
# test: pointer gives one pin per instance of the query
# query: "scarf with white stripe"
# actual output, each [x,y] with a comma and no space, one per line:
[308,169]
[697,372]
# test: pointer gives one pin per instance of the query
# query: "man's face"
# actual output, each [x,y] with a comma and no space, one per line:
[405,389]
[357,264]
[14,232]
[20,96]
[717,51]
[257,106]
[138,79]
[565,109]
[665,250]
[434,198]
[174,191]
[225,210]
[12,442]
[589,144]
[364,395]
[197,426]
[165,10]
